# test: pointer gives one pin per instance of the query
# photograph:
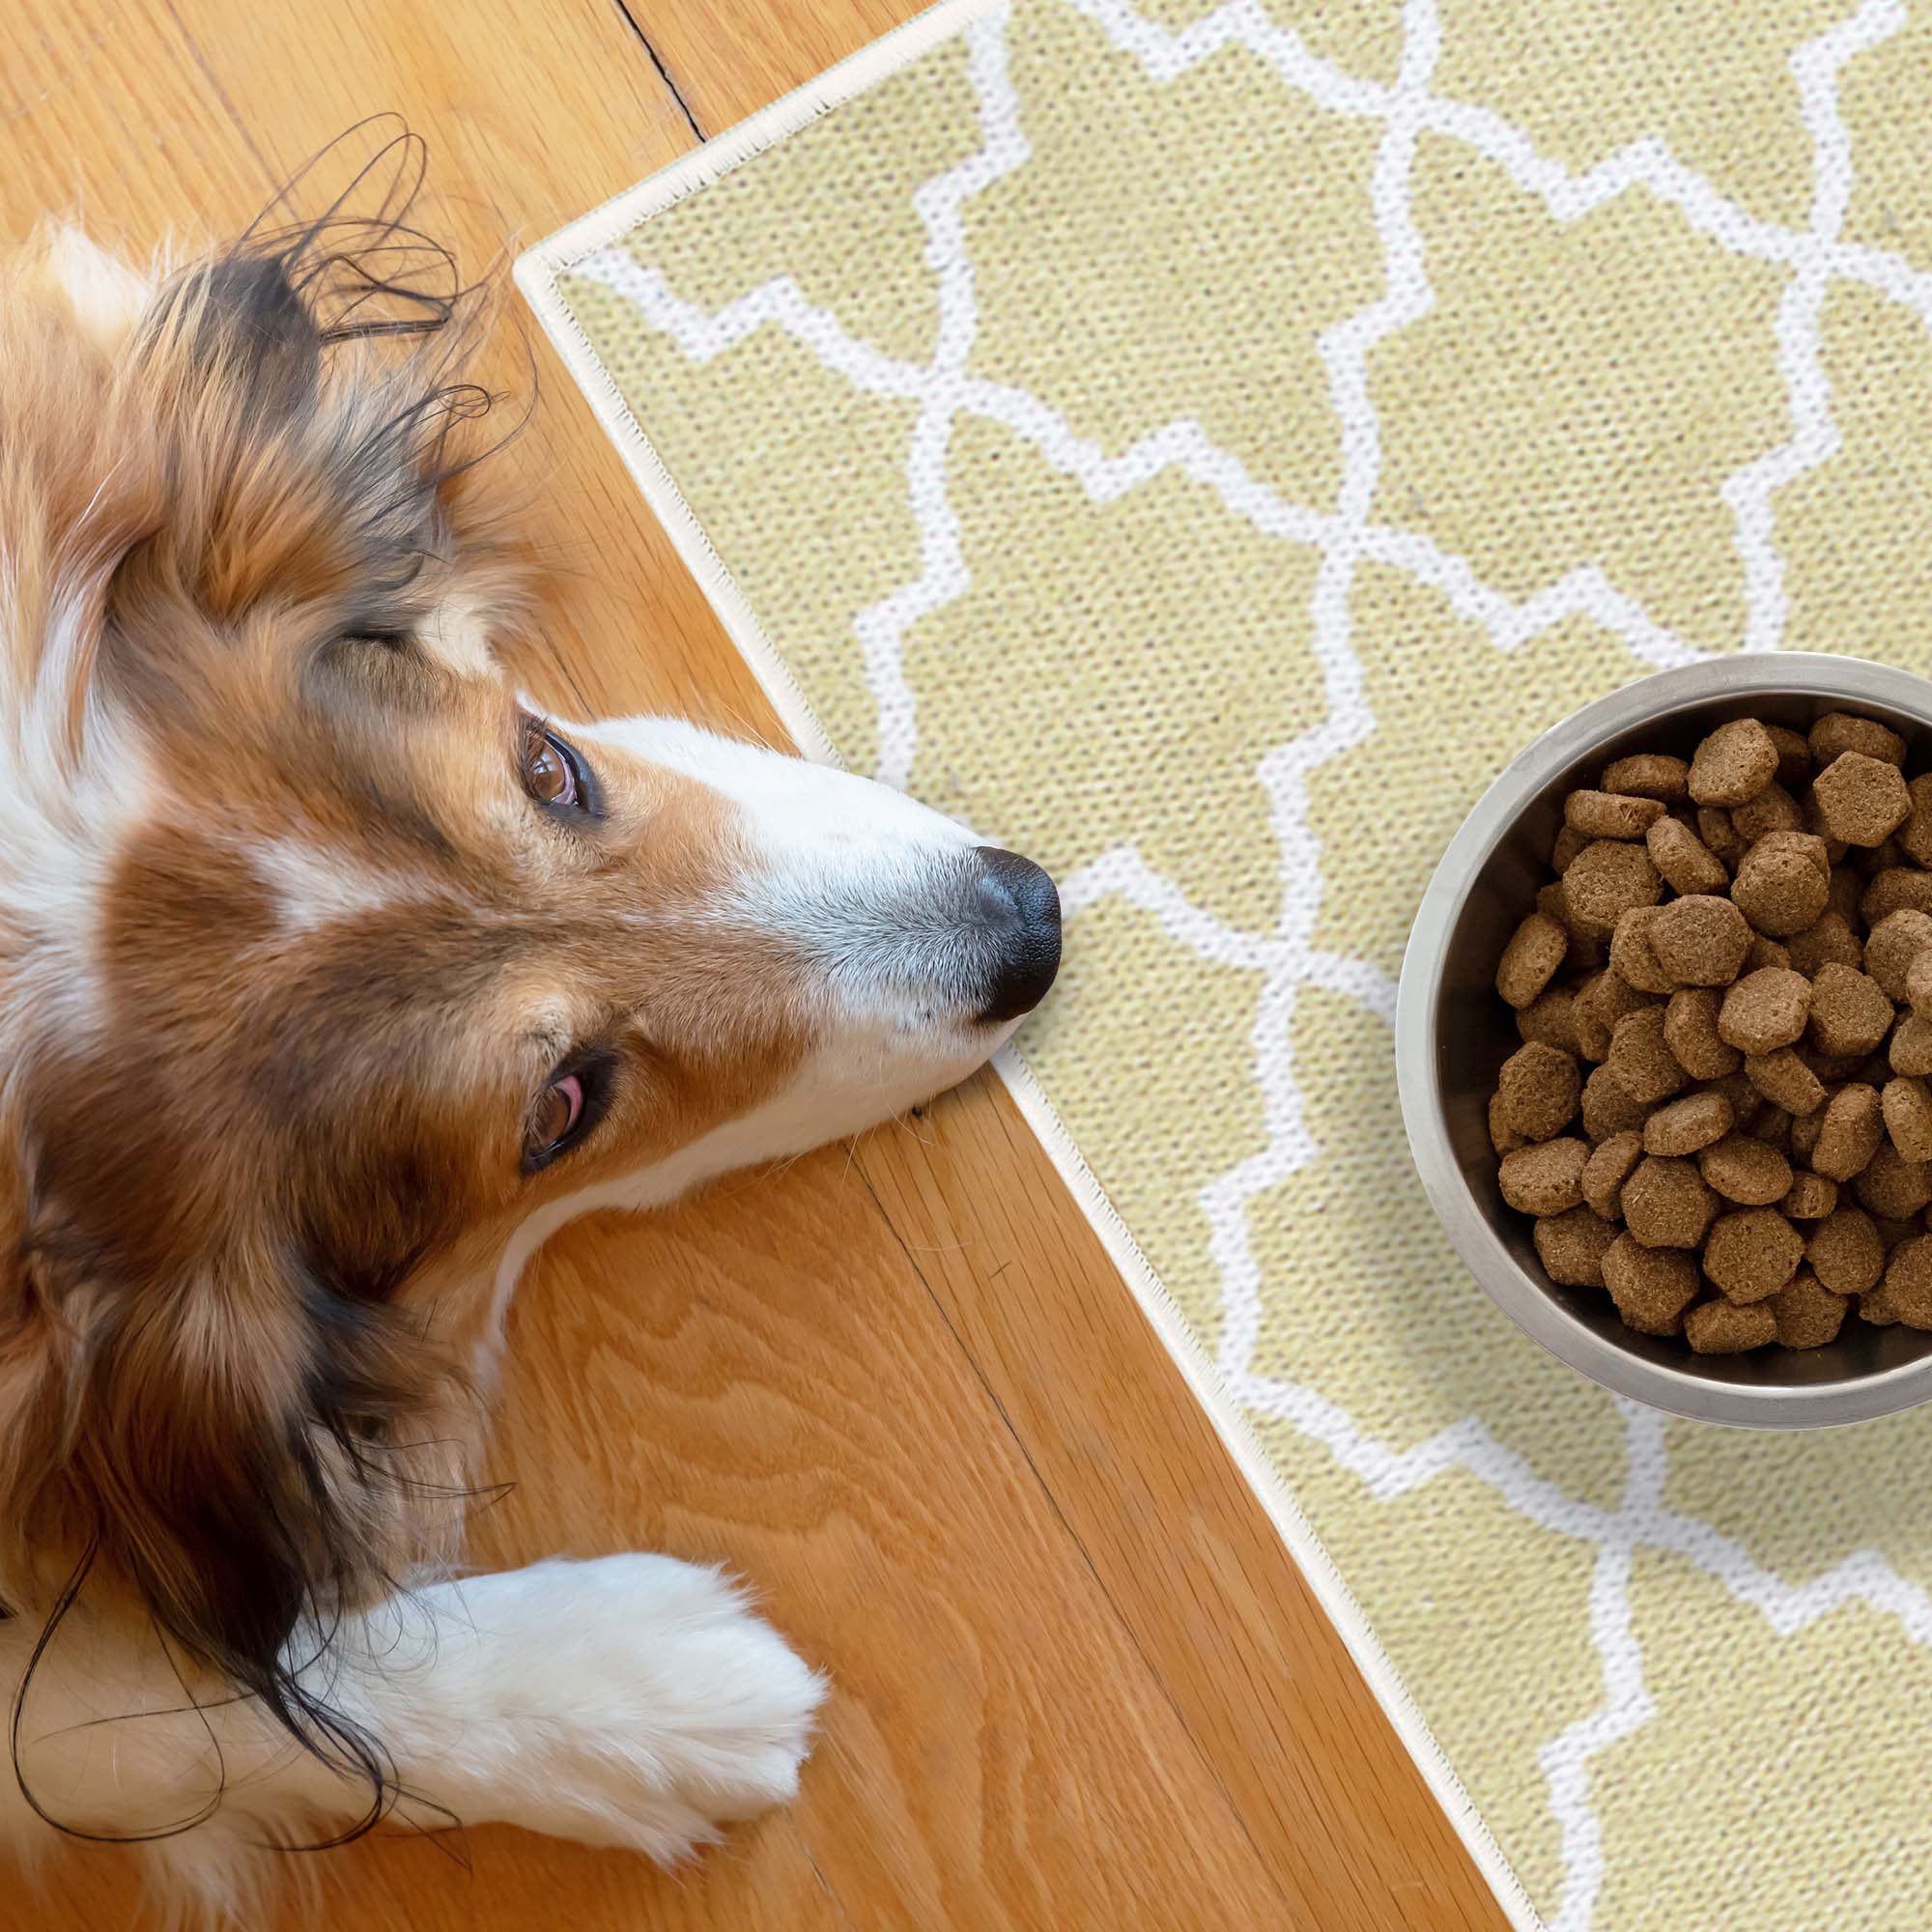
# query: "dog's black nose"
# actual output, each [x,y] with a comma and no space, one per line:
[1022,910]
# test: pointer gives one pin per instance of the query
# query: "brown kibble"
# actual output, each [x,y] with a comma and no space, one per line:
[1571,1246]
[1838,732]
[1895,1228]
[1785,1080]
[1772,1126]
[1773,810]
[1649,775]
[1686,863]
[1504,1137]
[1684,1125]
[1609,1167]
[1746,1171]
[1794,755]
[1811,1198]
[1908,1281]
[1827,942]
[1915,835]
[1918,983]
[1651,1287]
[1720,835]
[1530,959]
[1807,1314]
[1605,880]
[1806,1129]
[1750,1253]
[1604,814]
[1540,1087]
[1764,1009]
[1850,1013]
[1633,954]
[1908,1117]
[1863,800]
[1885,857]
[1730,1328]
[1891,1187]
[1551,1018]
[1912,1046]
[1894,890]
[1854,1124]
[1845,1251]
[1609,1109]
[1690,1032]
[1667,1202]
[1766,952]
[1568,842]
[1645,1067]
[1876,1308]
[1700,939]
[1544,1179]
[1847,890]
[1733,764]
[1779,887]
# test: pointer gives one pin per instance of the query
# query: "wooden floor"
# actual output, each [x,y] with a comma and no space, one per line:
[1079,1682]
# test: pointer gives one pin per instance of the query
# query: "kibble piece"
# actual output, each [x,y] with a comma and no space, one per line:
[1609,1109]
[1690,1032]
[1700,939]
[1766,952]
[1845,1252]
[1644,1067]
[1746,1171]
[1688,1124]
[1846,893]
[1605,814]
[1745,1099]
[1651,1287]
[1649,775]
[1772,1126]
[1544,1180]
[1912,1046]
[1504,1137]
[1838,732]
[1806,1129]
[1733,764]
[1571,1246]
[1876,1308]
[1854,1124]
[1893,889]
[1609,996]
[1863,800]
[1915,835]
[1908,1117]
[1830,941]
[1752,1253]
[1807,1314]
[1850,1013]
[1686,863]
[1764,1009]
[1773,810]
[1785,1080]
[1779,887]
[1568,842]
[1730,1328]
[1794,755]
[1908,1281]
[1918,983]
[1605,880]
[1893,944]
[1719,834]
[1551,1018]
[1891,1187]
[1886,857]
[1667,1202]
[1811,1198]
[1609,1167]
[1633,952]
[1540,1087]
[1531,958]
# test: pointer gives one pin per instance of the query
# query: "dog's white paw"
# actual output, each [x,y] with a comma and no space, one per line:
[632,1700]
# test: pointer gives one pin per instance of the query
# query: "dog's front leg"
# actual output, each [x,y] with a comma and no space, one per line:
[629,1700]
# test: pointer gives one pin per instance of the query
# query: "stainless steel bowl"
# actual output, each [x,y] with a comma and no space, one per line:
[1452,1034]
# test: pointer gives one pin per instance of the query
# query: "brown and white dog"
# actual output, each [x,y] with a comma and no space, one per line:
[333,980]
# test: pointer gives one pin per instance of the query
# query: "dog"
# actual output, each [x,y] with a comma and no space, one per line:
[333,979]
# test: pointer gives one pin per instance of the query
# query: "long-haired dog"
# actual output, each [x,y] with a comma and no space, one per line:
[332,979]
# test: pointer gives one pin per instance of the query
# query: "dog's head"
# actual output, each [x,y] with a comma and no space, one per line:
[332,971]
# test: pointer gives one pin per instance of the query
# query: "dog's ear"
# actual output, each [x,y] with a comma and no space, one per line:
[254,323]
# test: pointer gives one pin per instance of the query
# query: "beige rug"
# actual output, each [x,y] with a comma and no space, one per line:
[1196,444]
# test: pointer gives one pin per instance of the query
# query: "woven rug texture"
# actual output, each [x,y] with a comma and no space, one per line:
[1198,445]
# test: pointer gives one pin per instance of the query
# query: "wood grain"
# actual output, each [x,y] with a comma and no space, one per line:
[1079,1682]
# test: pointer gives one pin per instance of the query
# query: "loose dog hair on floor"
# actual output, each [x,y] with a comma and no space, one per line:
[333,977]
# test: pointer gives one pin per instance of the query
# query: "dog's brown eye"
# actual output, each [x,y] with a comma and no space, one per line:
[549,773]
[559,1109]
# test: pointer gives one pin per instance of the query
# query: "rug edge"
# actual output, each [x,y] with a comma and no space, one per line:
[535,273]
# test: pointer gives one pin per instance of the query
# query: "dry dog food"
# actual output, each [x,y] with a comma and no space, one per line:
[1721,1113]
